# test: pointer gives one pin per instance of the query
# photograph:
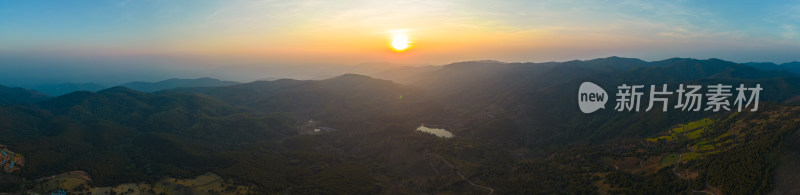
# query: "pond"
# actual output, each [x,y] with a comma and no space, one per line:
[435,131]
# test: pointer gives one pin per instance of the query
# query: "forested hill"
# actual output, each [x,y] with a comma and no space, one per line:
[176,83]
[517,130]
[16,95]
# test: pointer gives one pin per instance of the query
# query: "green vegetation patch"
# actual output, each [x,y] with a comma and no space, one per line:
[668,160]
[693,130]
[702,123]
[690,156]
[704,146]
[696,133]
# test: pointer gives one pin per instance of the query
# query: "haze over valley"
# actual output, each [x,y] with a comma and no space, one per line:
[399,97]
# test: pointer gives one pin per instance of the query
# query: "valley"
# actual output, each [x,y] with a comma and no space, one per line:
[450,130]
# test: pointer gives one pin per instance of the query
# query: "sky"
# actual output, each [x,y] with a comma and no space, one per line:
[58,40]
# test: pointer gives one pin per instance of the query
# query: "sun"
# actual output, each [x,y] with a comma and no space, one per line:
[398,40]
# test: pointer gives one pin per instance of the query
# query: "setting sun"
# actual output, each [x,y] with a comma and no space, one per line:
[399,40]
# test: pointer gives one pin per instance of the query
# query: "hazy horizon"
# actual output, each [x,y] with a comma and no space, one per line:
[113,42]
[87,74]
[399,97]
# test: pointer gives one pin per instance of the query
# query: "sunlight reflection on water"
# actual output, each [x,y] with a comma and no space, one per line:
[438,132]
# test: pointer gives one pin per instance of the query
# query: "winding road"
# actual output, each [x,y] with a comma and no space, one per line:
[677,162]
[462,175]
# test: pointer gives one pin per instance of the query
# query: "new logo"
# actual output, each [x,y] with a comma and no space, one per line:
[689,97]
[591,97]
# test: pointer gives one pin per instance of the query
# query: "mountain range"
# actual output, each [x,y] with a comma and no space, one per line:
[68,87]
[176,83]
[16,95]
[517,127]
[793,67]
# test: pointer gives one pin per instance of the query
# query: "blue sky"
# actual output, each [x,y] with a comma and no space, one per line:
[180,34]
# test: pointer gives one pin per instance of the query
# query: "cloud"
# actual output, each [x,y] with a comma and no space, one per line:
[124,3]
[789,32]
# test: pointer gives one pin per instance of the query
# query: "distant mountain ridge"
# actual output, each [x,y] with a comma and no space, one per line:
[540,97]
[177,83]
[344,96]
[261,132]
[793,67]
[68,87]
[17,95]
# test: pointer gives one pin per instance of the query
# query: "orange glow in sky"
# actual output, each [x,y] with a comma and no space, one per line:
[414,32]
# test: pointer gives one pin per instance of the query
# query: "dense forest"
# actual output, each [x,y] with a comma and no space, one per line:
[517,131]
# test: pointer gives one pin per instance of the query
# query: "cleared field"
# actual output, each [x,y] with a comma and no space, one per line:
[702,123]
[665,138]
[668,160]
[696,133]
[53,185]
[208,183]
[692,130]
[690,156]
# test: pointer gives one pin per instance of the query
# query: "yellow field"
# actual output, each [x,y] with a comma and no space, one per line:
[692,130]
